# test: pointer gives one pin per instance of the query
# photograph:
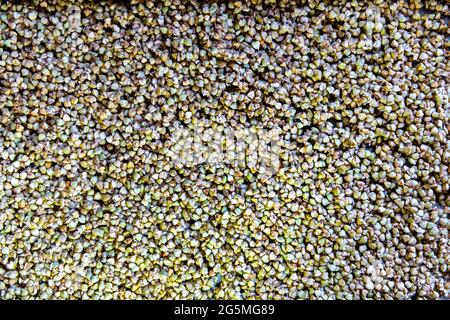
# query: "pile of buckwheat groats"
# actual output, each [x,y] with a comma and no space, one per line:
[132,163]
